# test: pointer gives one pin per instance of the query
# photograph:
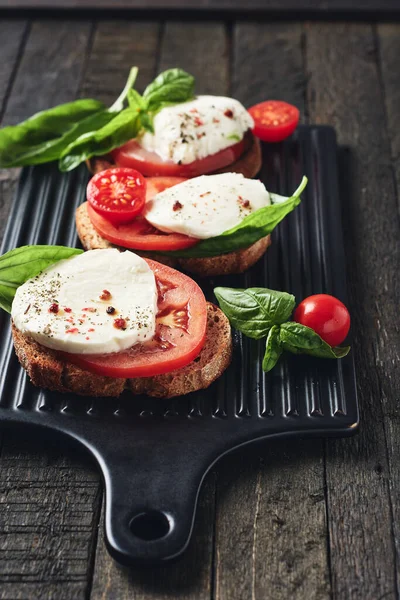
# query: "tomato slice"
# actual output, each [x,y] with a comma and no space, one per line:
[326,315]
[140,235]
[274,120]
[117,194]
[151,164]
[180,332]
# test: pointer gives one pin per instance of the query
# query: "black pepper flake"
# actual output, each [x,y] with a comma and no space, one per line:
[110,310]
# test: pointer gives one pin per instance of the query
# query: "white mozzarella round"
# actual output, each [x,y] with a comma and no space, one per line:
[69,306]
[206,206]
[193,130]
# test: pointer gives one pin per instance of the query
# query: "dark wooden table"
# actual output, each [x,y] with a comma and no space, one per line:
[313,519]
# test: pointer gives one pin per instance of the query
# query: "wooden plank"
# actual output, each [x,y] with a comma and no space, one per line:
[188,579]
[191,578]
[389,52]
[48,512]
[11,38]
[117,46]
[267,544]
[343,58]
[321,7]
[49,505]
[207,58]
[50,69]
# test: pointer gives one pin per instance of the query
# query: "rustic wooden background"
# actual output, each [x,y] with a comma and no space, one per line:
[314,519]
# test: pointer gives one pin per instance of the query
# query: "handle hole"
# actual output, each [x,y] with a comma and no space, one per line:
[152,525]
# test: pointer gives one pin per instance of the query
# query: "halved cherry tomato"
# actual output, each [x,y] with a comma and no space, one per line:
[117,194]
[326,315]
[274,120]
[180,332]
[151,164]
[140,235]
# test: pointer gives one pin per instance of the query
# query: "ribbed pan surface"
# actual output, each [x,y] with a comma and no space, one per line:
[154,453]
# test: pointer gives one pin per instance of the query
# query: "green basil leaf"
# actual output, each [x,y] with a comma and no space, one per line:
[120,129]
[255,310]
[136,101]
[300,339]
[43,137]
[253,227]
[19,265]
[172,86]
[273,349]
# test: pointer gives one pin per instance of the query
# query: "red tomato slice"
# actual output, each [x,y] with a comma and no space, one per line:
[274,120]
[151,164]
[140,235]
[117,194]
[180,332]
[326,315]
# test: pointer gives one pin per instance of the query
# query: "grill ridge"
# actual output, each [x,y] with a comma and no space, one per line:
[300,261]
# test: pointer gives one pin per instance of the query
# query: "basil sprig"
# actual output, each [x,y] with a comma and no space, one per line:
[260,312]
[19,265]
[253,227]
[76,131]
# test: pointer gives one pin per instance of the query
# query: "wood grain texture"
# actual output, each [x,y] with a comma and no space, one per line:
[49,504]
[191,578]
[48,513]
[117,46]
[362,484]
[188,579]
[11,40]
[388,54]
[200,48]
[266,544]
[50,68]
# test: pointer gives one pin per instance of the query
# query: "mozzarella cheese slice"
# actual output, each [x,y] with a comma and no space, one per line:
[98,302]
[206,206]
[193,130]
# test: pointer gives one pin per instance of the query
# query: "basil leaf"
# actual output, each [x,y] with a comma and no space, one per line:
[172,86]
[255,310]
[136,101]
[121,128]
[300,339]
[273,349]
[253,227]
[42,137]
[19,265]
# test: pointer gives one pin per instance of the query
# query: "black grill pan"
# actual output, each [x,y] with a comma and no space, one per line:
[154,453]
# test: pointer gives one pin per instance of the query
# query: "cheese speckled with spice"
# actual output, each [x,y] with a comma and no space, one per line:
[193,130]
[98,302]
[206,206]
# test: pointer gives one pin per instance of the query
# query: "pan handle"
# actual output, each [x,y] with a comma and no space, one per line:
[150,503]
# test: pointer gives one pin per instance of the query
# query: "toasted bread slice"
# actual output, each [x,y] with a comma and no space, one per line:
[47,369]
[225,264]
[248,164]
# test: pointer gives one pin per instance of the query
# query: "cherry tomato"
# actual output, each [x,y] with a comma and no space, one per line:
[151,164]
[117,194]
[326,315]
[180,332]
[140,234]
[274,120]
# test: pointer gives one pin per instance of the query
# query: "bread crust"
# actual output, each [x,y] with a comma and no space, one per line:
[248,164]
[48,369]
[225,264]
